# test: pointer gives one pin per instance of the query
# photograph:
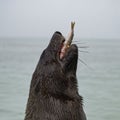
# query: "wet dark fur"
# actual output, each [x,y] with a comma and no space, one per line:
[53,91]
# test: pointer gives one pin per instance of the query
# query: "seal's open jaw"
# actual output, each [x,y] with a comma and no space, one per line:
[72,50]
[69,56]
[70,59]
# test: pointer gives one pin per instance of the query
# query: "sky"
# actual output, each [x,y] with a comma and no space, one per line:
[41,18]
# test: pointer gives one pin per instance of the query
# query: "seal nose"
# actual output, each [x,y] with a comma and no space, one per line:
[57,32]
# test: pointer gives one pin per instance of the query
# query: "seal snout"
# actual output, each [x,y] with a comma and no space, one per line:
[57,32]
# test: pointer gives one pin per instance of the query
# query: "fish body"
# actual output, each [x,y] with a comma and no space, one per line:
[68,41]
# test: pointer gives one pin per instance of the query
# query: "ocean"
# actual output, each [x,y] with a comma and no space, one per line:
[98,77]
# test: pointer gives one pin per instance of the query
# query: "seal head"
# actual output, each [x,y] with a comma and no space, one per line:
[53,91]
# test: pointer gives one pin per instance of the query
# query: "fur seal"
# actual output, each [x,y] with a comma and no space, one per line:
[53,91]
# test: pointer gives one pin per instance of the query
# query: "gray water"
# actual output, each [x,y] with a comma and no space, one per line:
[99,81]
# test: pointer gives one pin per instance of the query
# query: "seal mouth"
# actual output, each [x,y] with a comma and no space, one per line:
[69,57]
[58,48]
[64,51]
[70,60]
[64,48]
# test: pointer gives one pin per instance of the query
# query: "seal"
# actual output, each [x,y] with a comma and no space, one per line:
[53,91]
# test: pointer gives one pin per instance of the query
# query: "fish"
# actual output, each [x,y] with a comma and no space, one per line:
[68,41]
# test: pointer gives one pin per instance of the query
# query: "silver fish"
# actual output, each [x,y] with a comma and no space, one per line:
[68,41]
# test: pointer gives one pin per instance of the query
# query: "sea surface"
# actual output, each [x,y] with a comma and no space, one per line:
[98,77]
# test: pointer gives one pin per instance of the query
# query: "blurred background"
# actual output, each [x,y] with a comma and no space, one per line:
[26,26]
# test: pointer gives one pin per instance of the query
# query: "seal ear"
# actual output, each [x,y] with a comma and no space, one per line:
[37,87]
